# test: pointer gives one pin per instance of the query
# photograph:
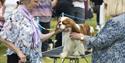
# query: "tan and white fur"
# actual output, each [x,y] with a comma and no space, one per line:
[71,46]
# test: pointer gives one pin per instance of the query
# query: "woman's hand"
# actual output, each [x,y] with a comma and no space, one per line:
[57,31]
[22,57]
[76,36]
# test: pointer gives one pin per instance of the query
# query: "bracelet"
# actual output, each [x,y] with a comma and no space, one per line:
[82,38]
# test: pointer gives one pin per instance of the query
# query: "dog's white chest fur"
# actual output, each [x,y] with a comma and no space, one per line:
[71,47]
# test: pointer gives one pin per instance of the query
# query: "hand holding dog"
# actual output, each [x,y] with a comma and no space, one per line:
[76,36]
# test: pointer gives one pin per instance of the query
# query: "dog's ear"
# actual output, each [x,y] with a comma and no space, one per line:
[85,29]
[69,22]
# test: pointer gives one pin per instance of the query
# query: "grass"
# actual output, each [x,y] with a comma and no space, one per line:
[46,59]
[2,54]
[83,60]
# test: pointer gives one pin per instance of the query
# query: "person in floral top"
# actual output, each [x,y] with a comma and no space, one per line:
[22,30]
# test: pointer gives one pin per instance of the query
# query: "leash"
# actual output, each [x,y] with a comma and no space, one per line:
[74,17]
[41,27]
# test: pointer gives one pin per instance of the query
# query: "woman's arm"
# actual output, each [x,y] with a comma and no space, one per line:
[12,47]
[111,33]
[44,37]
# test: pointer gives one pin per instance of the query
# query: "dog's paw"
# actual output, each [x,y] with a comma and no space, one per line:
[78,53]
[63,55]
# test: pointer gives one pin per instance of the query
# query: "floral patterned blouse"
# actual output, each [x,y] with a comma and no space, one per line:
[21,29]
[109,44]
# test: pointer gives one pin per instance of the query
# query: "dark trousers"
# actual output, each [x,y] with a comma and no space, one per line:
[12,58]
[59,40]
[97,14]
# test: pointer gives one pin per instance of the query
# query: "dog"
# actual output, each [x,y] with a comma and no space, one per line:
[71,46]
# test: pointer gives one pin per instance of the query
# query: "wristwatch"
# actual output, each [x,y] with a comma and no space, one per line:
[81,38]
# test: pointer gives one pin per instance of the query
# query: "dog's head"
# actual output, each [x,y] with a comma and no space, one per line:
[66,23]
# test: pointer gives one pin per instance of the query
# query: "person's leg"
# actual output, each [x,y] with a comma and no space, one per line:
[97,13]
[102,15]
[13,58]
[98,17]
[59,40]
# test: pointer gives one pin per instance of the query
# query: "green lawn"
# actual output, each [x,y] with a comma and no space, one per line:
[83,60]
[2,54]
[49,60]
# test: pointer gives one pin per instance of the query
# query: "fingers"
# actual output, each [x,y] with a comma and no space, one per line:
[22,59]
[73,34]
[76,36]
[58,31]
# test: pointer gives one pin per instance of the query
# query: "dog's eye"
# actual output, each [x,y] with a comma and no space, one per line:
[59,22]
[64,22]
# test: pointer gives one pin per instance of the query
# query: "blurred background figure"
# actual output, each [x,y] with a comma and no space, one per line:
[2,11]
[43,15]
[88,10]
[74,9]
[99,10]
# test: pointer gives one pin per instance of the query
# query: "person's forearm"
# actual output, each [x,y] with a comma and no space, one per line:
[44,37]
[107,36]
[15,49]
[10,45]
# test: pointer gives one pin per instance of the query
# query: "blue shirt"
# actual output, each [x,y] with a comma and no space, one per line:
[109,45]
